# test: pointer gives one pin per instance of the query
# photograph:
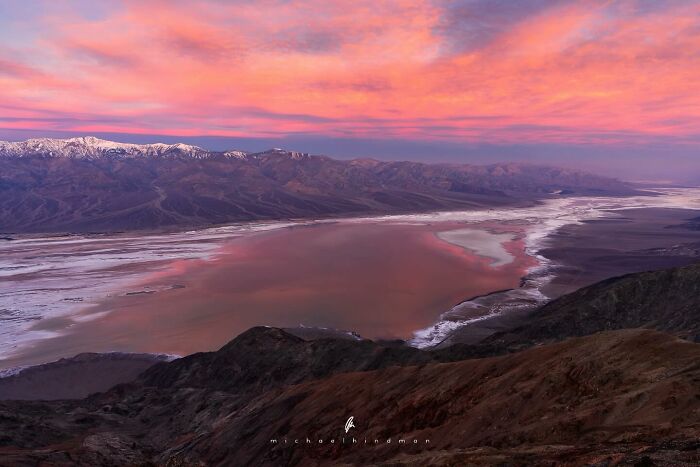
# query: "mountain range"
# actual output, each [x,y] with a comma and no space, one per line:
[88,184]
[611,389]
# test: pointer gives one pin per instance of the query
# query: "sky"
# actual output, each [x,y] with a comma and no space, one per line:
[609,86]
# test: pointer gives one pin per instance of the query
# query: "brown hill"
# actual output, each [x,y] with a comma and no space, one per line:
[612,393]
[624,396]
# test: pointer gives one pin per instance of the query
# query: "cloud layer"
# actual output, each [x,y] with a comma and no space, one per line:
[476,71]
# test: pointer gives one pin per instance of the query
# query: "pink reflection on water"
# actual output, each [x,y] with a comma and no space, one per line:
[381,280]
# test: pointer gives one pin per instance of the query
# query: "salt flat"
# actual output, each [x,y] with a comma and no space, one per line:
[482,243]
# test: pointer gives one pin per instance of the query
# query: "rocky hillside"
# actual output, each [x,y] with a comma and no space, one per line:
[585,399]
[667,300]
[629,396]
[87,184]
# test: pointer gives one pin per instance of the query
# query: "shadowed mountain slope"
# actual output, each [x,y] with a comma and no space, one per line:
[667,300]
[87,184]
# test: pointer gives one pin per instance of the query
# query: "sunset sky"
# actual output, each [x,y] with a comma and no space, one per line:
[599,84]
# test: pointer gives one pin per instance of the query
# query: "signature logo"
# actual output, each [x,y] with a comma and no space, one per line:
[349,424]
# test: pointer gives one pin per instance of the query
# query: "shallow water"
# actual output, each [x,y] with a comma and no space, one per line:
[48,281]
[381,280]
[385,277]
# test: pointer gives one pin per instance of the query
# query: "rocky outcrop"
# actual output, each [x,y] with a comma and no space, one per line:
[262,358]
[622,396]
[618,392]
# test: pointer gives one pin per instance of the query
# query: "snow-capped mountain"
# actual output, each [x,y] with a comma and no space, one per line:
[236,154]
[47,186]
[89,147]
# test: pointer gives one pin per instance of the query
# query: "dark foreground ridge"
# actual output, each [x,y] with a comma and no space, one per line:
[91,185]
[629,396]
[624,395]
[666,300]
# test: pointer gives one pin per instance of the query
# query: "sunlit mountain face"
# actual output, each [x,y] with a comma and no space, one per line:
[552,81]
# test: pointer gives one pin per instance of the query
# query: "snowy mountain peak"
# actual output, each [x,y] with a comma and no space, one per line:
[91,141]
[296,155]
[90,147]
[237,154]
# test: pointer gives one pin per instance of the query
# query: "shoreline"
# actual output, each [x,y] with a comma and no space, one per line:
[535,287]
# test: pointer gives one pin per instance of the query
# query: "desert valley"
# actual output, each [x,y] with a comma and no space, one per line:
[461,282]
[273,233]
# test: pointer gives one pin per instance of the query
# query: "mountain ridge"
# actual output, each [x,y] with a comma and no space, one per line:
[625,395]
[87,184]
[91,147]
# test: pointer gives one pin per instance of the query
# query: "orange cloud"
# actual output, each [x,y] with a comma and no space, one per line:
[576,72]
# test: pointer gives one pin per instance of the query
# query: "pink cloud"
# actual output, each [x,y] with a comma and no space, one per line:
[566,73]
